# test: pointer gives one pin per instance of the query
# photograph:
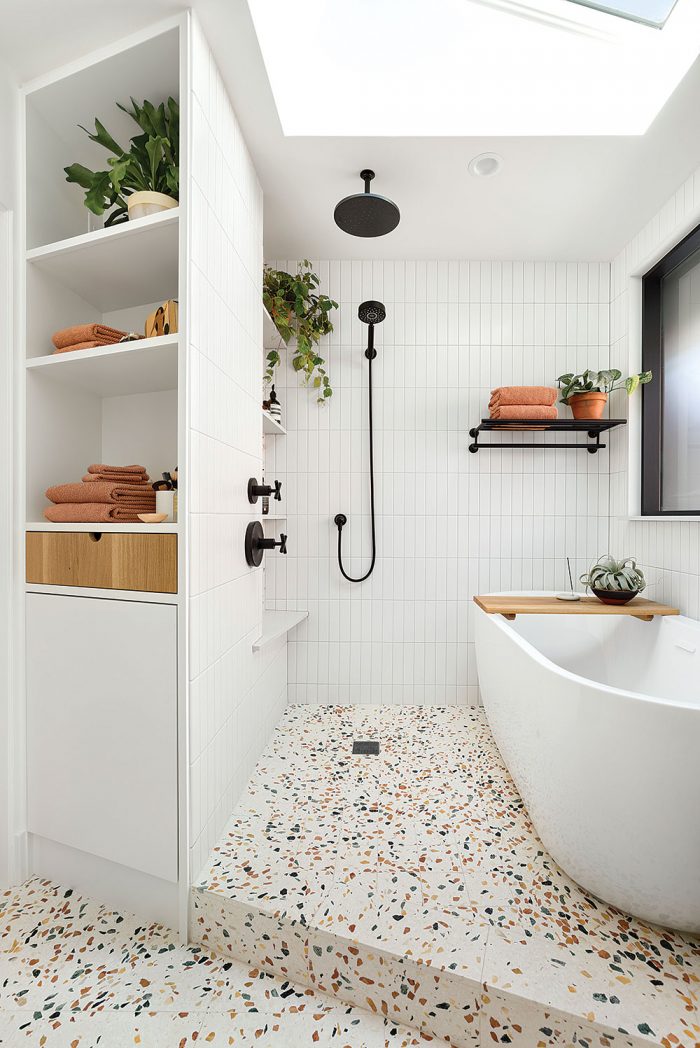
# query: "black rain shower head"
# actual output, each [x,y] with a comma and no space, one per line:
[366,214]
[371,312]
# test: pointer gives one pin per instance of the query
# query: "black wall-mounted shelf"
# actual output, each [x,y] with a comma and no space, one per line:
[593,427]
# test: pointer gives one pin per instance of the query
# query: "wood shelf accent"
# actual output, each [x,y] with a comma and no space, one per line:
[509,607]
[103,561]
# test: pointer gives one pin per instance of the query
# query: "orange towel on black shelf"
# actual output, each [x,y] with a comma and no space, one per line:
[541,395]
[524,411]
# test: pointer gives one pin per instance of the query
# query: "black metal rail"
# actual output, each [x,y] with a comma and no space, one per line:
[592,427]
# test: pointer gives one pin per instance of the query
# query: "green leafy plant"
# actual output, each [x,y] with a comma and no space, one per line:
[599,382]
[150,162]
[299,312]
[616,575]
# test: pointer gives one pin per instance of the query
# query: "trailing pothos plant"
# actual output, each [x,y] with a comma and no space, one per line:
[299,312]
[600,382]
[151,161]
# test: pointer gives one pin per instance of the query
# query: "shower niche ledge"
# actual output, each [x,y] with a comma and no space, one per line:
[592,427]
[276,624]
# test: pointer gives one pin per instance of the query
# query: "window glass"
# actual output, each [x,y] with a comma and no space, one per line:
[680,446]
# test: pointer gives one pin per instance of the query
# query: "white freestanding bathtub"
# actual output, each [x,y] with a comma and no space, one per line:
[598,720]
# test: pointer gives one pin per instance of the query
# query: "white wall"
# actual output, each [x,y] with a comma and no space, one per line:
[235,697]
[669,550]
[450,524]
[9,102]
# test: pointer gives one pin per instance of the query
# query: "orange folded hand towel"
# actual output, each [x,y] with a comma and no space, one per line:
[523,395]
[106,492]
[79,345]
[104,467]
[524,411]
[100,334]
[116,478]
[91,512]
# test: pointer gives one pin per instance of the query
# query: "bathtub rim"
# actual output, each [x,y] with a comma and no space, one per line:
[507,627]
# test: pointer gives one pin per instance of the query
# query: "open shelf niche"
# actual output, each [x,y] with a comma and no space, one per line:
[118,403]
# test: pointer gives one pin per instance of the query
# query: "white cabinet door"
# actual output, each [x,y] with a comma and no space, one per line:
[102,728]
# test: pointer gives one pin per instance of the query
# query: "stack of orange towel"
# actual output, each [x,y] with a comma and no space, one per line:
[85,336]
[523,402]
[106,494]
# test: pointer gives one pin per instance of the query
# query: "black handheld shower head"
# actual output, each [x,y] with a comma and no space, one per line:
[371,312]
[366,214]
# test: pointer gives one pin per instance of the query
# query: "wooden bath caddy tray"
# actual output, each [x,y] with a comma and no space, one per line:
[509,607]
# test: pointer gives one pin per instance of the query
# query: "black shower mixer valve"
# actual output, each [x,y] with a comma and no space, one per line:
[256,491]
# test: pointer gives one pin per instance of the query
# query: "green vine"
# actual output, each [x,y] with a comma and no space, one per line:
[299,312]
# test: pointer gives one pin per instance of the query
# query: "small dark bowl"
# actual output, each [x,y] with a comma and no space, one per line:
[614,596]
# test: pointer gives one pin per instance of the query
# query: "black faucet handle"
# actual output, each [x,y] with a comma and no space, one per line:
[277,491]
[282,543]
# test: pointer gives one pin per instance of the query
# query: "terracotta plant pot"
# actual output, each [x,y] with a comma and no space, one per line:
[146,203]
[587,405]
[613,596]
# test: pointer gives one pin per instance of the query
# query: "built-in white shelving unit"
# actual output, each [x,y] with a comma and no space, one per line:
[120,404]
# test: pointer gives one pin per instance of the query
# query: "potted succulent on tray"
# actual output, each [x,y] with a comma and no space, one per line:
[141,180]
[587,394]
[299,312]
[614,581]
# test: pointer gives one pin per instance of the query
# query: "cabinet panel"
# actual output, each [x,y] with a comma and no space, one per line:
[103,560]
[102,728]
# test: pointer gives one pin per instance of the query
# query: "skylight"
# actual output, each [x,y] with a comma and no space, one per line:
[478,68]
[649,12]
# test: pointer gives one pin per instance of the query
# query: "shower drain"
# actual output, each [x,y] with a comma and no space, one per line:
[368,747]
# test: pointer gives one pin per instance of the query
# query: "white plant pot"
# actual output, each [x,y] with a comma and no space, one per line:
[147,203]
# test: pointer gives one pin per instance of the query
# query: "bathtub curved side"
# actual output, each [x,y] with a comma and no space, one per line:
[611,779]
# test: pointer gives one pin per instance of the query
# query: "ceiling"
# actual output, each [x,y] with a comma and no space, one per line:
[556,198]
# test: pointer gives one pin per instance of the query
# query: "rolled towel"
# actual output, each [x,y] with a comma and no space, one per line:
[100,334]
[91,512]
[141,498]
[524,411]
[523,395]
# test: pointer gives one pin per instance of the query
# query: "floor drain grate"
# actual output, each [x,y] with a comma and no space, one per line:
[367,747]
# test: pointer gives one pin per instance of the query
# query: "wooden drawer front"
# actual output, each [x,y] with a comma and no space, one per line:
[104,560]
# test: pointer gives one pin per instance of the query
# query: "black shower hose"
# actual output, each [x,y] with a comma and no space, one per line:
[371,493]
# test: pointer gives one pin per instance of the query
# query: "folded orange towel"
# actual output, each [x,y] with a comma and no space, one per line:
[91,512]
[116,478]
[523,395]
[79,345]
[521,411]
[104,467]
[98,333]
[141,498]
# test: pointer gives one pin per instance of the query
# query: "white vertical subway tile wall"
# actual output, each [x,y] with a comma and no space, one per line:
[236,696]
[449,523]
[670,549]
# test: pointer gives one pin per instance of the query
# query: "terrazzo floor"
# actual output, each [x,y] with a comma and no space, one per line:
[74,974]
[413,884]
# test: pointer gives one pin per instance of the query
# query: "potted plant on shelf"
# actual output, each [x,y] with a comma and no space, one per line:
[299,312]
[587,394]
[614,581]
[141,180]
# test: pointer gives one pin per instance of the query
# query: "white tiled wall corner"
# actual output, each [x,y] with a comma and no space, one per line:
[668,550]
[236,696]
[449,524]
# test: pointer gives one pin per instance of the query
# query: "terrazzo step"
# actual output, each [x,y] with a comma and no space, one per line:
[413,885]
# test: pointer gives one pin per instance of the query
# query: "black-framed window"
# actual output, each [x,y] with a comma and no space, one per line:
[671,401]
